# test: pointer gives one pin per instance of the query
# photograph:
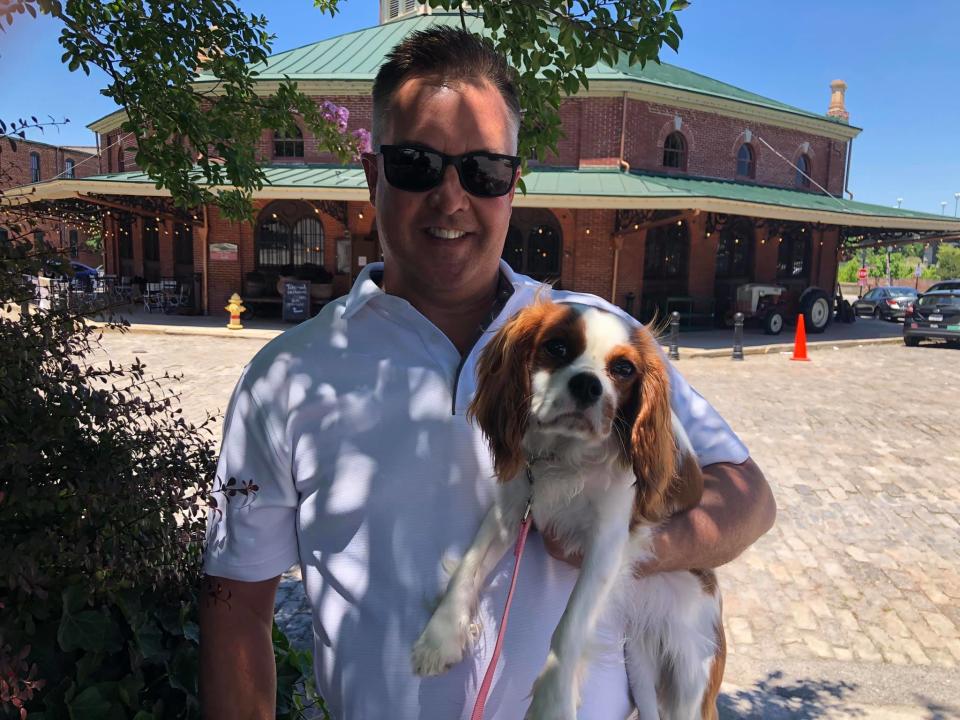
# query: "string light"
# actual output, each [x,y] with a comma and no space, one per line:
[360,215]
[588,231]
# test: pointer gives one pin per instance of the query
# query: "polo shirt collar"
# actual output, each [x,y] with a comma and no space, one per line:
[364,288]
[367,286]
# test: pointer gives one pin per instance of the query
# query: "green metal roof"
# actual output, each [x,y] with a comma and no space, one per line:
[604,188]
[356,56]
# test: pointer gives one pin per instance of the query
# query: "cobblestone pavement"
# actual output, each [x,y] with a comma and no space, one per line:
[852,602]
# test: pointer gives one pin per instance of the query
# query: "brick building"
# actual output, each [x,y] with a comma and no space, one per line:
[34,162]
[668,191]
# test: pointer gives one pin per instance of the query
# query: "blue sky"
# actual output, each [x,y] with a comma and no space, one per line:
[901,61]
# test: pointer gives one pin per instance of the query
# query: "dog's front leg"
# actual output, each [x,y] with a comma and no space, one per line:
[556,693]
[442,642]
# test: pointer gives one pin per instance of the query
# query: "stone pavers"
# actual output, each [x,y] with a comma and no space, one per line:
[850,606]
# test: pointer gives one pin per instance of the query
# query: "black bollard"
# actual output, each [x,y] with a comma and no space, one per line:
[674,335]
[738,336]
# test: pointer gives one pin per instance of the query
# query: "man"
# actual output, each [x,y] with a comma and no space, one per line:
[352,425]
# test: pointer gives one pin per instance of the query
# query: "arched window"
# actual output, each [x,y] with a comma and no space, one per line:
[287,143]
[665,257]
[675,151]
[746,162]
[793,254]
[534,244]
[288,233]
[734,250]
[34,167]
[307,241]
[803,171]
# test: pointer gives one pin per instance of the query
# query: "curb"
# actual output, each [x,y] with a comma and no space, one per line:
[692,353]
[685,352]
[245,334]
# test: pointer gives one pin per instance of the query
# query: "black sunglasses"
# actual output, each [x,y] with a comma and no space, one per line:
[417,169]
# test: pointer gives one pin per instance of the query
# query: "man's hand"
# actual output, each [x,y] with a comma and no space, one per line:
[238,675]
[736,509]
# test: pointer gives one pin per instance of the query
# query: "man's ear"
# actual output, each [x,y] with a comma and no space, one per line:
[372,171]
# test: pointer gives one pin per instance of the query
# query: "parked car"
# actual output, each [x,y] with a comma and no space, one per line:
[945,285]
[935,314]
[888,303]
[80,275]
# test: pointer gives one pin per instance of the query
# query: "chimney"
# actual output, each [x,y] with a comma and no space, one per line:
[838,108]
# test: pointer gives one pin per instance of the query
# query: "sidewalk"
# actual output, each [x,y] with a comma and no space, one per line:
[693,344]
[207,325]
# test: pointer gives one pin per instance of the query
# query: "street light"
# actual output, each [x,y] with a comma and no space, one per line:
[943,207]
[956,201]
[899,202]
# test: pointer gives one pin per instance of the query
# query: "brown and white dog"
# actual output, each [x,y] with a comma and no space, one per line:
[582,399]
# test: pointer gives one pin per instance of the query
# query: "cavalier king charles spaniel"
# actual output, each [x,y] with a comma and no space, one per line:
[575,404]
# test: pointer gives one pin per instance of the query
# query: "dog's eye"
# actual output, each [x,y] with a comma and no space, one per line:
[622,368]
[556,347]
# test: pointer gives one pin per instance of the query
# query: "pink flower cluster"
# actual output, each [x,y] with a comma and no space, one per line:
[337,114]
[364,143]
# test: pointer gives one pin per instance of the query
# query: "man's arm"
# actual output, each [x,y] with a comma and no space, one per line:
[238,676]
[736,509]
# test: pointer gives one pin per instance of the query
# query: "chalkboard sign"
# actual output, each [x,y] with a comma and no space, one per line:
[296,300]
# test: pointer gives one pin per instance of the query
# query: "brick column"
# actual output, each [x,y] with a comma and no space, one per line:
[136,239]
[703,257]
[765,256]
[630,274]
[166,247]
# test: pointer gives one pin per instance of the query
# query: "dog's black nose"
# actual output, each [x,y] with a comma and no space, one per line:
[585,388]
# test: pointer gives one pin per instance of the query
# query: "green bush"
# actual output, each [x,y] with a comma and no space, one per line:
[948,262]
[848,271]
[104,489]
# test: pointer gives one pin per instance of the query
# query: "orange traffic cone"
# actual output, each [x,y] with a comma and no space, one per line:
[800,341]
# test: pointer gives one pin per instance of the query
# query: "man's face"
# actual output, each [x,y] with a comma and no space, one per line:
[444,239]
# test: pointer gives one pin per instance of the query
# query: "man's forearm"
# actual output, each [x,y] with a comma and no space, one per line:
[238,675]
[736,509]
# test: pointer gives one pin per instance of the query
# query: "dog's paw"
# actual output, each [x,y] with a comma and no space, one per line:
[554,697]
[441,644]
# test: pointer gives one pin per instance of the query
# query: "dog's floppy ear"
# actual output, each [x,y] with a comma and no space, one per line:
[668,479]
[502,403]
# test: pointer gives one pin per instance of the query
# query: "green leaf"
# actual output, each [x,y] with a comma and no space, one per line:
[149,639]
[90,630]
[89,705]
[87,665]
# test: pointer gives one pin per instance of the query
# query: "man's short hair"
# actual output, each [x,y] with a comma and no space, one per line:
[448,54]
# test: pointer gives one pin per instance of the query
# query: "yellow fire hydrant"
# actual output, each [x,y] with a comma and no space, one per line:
[235,307]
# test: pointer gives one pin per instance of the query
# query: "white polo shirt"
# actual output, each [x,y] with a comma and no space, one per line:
[352,425]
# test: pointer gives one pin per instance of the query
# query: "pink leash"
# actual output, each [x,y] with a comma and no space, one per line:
[488,677]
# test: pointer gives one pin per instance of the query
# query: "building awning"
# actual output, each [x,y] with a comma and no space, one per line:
[589,188]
